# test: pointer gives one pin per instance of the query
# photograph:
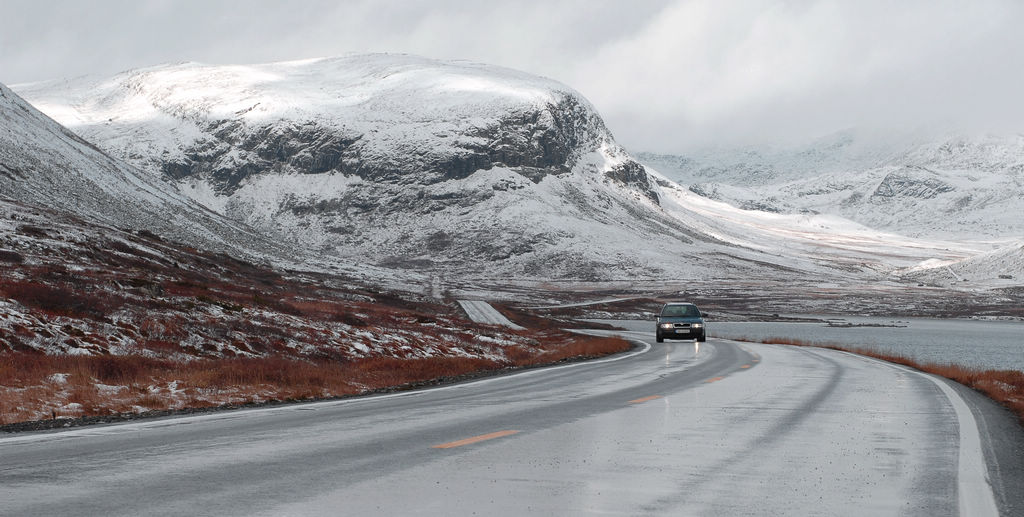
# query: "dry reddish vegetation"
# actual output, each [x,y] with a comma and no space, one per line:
[1003,386]
[73,386]
[95,320]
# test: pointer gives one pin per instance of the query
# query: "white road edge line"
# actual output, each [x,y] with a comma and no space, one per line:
[120,428]
[974,491]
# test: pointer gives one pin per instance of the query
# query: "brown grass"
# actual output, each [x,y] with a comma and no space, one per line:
[584,348]
[29,391]
[1003,386]
[57,299]
[11,256]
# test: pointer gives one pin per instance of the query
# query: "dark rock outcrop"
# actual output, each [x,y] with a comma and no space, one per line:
[912,183]
[632,174]
[535,144]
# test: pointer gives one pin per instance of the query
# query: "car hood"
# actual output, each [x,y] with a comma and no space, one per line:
[681,319]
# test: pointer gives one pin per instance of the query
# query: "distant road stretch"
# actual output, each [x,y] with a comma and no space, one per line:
[482,312]
[676,428]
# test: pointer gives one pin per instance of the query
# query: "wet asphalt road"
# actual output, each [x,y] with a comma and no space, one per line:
[719,428]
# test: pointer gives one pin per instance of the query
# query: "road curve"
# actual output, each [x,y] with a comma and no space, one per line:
[719,428]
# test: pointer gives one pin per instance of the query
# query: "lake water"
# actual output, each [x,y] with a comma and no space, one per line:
[995,345]
[990,345]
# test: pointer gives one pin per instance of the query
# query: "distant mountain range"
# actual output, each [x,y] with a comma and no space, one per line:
[955,187]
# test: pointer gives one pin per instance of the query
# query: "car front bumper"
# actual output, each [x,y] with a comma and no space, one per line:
[681,333]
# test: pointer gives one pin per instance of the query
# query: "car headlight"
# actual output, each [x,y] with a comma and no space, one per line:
[697,325]
[666,325]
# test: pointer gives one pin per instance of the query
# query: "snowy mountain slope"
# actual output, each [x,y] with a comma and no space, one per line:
[950,188]
[921,201]
[843,247]
[999,268]
[45,164]
[455,169]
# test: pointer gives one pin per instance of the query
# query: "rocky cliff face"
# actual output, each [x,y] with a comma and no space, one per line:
[535,144]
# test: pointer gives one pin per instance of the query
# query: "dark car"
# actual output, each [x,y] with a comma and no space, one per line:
[679,320]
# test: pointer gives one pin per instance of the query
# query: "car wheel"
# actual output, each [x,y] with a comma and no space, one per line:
[658,338]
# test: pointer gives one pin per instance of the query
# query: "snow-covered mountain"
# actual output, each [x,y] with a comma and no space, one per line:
[456,169]
[45,164]
[954,187]
[411,162]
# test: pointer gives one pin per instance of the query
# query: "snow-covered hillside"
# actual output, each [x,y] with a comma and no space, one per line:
[1003,267]
[45,164]
[458,169]
[963,188]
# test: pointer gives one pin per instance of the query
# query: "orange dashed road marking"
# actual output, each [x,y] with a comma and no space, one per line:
[745,366]
[475,439]
[713,379]
[645,399]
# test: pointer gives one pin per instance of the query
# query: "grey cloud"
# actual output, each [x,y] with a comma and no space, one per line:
[667,75]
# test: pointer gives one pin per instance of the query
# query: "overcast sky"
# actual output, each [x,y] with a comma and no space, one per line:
[666,75]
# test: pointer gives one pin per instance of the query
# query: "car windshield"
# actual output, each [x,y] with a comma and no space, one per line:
[681,310]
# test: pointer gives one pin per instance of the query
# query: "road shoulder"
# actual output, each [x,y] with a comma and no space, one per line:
[1002,443]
